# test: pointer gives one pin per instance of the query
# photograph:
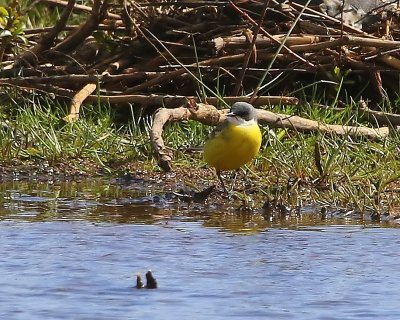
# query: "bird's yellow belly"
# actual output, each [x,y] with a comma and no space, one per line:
[233,147]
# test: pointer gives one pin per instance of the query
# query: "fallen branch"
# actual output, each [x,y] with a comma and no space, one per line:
[374,117]
[169,100]
[378,117]
[77,101]
[45,86]
[209,115]
[306,125]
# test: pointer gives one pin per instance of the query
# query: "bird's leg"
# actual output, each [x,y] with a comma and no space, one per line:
[245,171]
[234,179]
[220,179]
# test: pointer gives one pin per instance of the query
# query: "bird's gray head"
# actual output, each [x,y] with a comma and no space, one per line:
[243,110]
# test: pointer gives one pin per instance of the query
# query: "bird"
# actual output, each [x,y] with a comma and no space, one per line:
[235,142]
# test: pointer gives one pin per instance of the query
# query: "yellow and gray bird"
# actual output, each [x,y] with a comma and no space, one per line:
[235,142]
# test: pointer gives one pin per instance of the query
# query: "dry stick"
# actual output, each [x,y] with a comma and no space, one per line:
[30,81]
[352,41]
[188,3]
[282,44]
[80,7]
[171,100]
[47,39]
[271,37]
[77,101]
[241,42]
[162,55]
[178,72]
[382,53]
[368,42]
[37,31]
[306,125]
[209,115]
[346,27]
[379,117]
[205,113]
[390,61]
[315,29]
[85,29]
[252,49]
[311,43]
[374,117]
[341,31]
[78,79]
[71,42]
[45,85]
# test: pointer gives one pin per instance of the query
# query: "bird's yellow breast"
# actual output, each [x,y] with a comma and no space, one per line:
[233,147]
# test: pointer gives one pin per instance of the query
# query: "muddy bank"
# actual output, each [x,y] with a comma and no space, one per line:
[85,169]
[194,189]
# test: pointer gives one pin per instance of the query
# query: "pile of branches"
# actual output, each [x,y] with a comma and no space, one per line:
[143,52]
[165,52]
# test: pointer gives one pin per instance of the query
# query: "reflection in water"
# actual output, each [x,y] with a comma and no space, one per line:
[137,202]
[72,251]
[71,200]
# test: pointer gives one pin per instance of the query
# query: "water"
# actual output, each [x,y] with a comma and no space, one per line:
[72,251]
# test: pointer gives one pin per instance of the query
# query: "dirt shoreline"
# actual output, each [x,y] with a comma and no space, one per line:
[40,169]
[190,185]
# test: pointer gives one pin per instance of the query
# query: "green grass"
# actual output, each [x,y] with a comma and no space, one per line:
[293,167]
[40,14]
[34,129]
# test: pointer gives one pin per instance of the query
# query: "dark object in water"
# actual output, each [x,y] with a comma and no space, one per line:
[189,196]
[151,281]
[139,282]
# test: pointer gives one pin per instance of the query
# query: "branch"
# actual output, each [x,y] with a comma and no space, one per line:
[209,115]
[170,100]
[85,30]
[77,101]
[80,7]
[47,40]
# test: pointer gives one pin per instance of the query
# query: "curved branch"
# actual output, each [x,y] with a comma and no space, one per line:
[209,115]
[77,101]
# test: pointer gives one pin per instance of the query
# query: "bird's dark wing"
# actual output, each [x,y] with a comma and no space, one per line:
[218,129]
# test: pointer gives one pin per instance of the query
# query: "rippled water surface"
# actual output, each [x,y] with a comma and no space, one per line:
[72,251]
